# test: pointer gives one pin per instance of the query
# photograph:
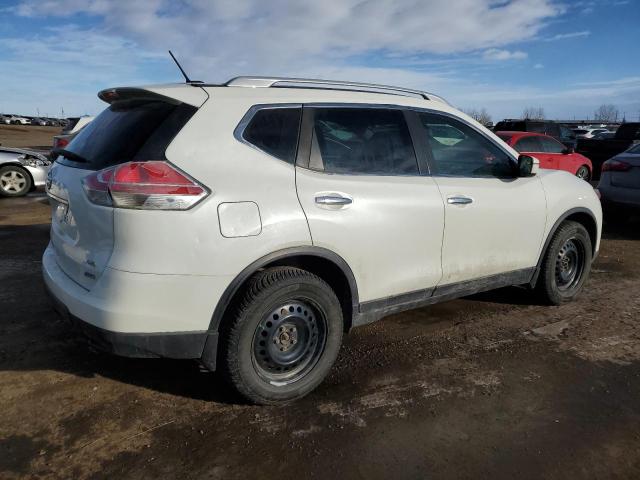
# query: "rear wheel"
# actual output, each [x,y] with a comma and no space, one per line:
[566,264]
[283,337]
[584,173]
[14,181]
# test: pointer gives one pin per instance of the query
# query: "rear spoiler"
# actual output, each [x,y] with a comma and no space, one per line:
[174,94]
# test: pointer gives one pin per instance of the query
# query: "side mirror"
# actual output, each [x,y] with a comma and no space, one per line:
[527,166]
[568,150]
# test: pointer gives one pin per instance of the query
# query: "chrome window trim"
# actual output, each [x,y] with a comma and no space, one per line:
[238,132]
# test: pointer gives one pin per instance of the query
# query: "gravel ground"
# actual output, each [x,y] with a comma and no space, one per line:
[492,386]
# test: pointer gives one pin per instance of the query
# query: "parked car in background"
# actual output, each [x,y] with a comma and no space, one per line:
[551,153]
[604,135]
[599,151]
[71,127]
[21,171]
[39,121]
[558,131]
[588,132]
[16,120]
[5,119]
[619,185]
[249,225]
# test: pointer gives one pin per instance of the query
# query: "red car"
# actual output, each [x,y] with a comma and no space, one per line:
[551,153]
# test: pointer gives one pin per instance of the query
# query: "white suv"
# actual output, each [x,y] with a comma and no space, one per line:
[249,224]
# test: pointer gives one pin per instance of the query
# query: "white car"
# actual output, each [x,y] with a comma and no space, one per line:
[588,132]
[15,120]
[248,225]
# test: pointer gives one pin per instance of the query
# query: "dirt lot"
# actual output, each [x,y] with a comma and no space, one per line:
[485,387]
[39,138]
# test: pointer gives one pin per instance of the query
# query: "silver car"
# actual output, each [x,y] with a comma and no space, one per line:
[21,171]
[619,185]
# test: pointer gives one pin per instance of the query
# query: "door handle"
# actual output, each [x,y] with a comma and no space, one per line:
[459,200]
[333,200]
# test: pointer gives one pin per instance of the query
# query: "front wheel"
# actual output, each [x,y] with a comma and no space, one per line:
[584,173]
[283,337]
[14,181]
[566,264]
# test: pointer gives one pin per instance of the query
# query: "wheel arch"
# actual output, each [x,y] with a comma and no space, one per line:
[583,216]
[328,265]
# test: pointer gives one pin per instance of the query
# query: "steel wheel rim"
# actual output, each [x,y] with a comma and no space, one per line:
[13,181]
[289,341]
[569,264]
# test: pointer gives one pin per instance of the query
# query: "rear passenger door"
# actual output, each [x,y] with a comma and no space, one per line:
[368,198]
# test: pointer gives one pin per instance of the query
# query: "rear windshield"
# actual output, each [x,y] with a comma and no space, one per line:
[128,130]
[513,126]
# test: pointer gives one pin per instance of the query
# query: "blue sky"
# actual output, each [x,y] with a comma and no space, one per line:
[568,57]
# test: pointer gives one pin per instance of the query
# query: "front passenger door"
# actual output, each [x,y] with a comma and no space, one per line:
[494,221]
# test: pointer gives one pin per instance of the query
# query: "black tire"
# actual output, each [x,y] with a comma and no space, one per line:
[584,173]
[14,181]
[566,264]
[281,340]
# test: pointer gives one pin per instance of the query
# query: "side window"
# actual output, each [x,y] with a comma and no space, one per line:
[275,131]
[364,141]
[528,144]
[458,149]
[566,133]
[549,145]
[536,127]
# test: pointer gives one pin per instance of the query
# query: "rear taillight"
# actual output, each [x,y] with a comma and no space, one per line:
[153,185]
[60,142]
[615,166]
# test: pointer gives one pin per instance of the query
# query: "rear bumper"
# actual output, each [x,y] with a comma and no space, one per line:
[185,345]
[138,315]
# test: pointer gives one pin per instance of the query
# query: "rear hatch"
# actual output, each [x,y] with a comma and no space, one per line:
[138,125]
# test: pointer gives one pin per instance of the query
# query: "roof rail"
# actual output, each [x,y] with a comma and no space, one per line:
[282,82]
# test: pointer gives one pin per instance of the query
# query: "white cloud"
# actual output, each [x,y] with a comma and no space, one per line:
[216,39]
[563,36]
[498,54]
[538,66]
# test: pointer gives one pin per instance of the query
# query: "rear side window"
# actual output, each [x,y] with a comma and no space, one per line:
[128,130]
[366,141]
[528,144]
[275,131]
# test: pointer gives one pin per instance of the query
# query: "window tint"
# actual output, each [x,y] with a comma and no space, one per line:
[128,130]
[362,141]
[528,144]
[549,145]
[275,131]
[458,149]
[537,127]
[566,133]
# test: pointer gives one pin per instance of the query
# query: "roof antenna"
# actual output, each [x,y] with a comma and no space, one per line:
[186,78]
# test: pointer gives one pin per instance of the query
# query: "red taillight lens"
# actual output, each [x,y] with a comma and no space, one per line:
[60,142]
[615,166]
[152,185]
